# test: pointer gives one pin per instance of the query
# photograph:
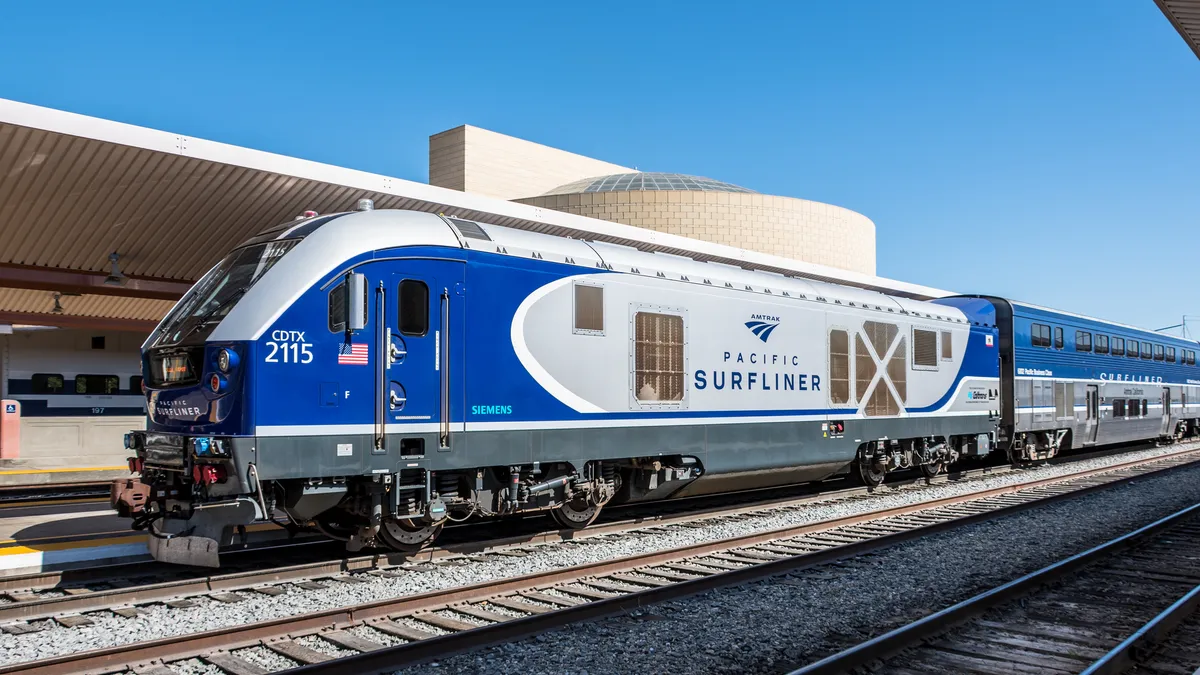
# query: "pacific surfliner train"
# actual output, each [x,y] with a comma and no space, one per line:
[375,374]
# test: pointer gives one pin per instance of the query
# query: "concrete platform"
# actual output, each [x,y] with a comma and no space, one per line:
[55,536]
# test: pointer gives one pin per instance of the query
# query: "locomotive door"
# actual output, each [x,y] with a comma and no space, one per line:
[1092,418]
[423,337]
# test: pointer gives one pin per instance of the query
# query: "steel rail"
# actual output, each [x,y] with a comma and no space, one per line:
[389,658]
[38,581]
[1124,656]
[47,607]
[897,640]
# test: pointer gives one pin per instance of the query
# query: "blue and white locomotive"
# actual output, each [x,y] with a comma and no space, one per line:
[374,374]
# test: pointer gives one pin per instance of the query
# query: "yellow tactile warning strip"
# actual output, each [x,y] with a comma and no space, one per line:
[84,469]
[13,547]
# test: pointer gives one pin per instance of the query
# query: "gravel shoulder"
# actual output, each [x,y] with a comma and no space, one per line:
[783,623]
[159,621]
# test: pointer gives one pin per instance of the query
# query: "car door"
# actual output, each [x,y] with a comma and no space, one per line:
[421,396]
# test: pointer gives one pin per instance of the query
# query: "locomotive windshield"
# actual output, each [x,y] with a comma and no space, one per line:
[218,291]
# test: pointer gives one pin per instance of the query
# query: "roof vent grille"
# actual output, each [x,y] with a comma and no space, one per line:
[470,229]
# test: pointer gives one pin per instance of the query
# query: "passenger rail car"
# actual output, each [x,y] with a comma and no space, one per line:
[375,374]
[1069,381]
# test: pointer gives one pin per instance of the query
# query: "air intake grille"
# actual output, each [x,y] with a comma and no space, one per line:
[470,229]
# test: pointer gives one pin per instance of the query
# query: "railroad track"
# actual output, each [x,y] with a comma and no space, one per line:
[1098,612]
[65,593]
[319,556]
[386,634]
[42,594]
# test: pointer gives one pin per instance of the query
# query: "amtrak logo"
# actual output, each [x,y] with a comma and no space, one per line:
[762,325]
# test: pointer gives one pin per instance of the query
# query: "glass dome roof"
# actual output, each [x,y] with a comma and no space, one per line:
[646,180]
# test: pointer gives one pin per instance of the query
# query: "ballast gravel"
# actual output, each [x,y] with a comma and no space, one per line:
[783,623]
[158,620]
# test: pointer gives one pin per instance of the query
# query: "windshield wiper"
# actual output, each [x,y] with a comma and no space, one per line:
[208,316]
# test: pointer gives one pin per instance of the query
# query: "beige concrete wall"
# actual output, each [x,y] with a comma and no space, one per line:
[73,442]
[793,228]
[476,160]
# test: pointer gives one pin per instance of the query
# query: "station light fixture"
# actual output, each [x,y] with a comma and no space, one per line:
[115,276]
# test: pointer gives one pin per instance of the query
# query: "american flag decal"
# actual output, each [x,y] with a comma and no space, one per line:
[352,354]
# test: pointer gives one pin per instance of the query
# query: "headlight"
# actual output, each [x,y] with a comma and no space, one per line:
[226,360]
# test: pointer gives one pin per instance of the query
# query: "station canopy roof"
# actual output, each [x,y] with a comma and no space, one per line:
[1185,16]
[76,189]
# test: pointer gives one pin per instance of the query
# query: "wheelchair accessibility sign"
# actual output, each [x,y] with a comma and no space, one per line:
[10,408]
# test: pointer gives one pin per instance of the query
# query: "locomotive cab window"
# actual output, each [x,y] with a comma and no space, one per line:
[658,357]
[1131,349]
[47,383]
[1058,338]
[589,309]
[1158,352]
[947,346]
[1101,344]
[337,307]
[1083,341]
[414,307]
[1039,335]
[1118,346]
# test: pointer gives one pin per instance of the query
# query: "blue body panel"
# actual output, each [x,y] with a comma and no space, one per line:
[1068,363]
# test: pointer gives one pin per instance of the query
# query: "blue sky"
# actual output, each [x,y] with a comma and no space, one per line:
[1040,150]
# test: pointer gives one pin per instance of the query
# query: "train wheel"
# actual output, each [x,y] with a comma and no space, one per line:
[932,469]
[868,475]
[576,515]
[407,536]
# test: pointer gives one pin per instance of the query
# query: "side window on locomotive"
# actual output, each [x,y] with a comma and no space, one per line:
[47,383]
[1145,350]
[1058,338]
[839,366]
[97,384]
[1158,353]
[1118,405]
[1131,349]
[414,307]
[947,346]
[1118,346]
[658,357]
[1170,355]
[589,309]
[1083,341]
[1101,344]
[924,349]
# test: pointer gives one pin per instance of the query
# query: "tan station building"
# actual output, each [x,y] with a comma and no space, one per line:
[477,160]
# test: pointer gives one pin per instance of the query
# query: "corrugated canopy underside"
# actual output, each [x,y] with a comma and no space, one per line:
[74,189]
[1185,16]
